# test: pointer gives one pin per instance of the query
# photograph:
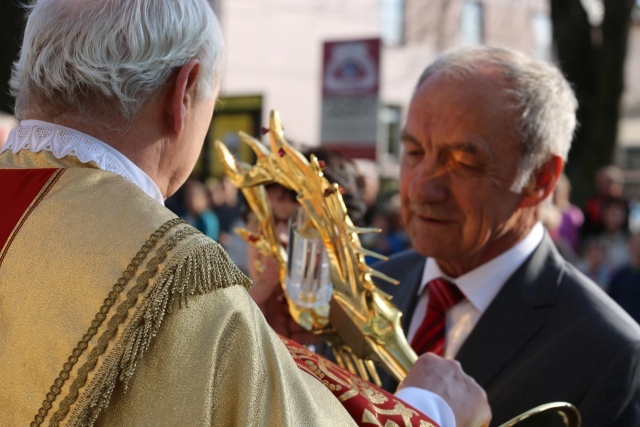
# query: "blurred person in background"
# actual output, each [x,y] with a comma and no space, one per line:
[572,218]
[392,237]
[615,232]
[197,212]
[604,252]
[225,204]
[593,262]
[609,185]
[369,183]
[624,286]
[551,218]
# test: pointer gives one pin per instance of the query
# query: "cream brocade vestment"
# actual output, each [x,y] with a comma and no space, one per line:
[106,298]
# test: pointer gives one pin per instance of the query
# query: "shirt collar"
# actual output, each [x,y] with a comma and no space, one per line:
[37,135]
[482,284]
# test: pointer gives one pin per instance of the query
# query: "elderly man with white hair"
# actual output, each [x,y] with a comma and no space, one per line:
[113,310]
[485,141]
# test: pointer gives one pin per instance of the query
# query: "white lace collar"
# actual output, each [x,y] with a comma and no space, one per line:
[61,141]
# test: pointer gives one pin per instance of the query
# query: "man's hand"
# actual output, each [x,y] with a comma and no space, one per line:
[447,379]
[266,280]
[268,295]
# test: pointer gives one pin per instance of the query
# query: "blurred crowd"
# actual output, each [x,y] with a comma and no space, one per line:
[601,238]
[215,207]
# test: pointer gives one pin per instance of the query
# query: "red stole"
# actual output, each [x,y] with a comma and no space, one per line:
[20,192]
[366,403]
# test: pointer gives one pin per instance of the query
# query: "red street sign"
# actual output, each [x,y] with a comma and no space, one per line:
[351,67]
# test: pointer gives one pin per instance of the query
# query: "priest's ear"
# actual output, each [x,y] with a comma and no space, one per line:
[182,94]
[542,182]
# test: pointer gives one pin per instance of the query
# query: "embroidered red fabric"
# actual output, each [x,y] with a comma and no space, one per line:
[365,402]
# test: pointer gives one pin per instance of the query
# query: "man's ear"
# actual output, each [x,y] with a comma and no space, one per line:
[542,182]
[181,95]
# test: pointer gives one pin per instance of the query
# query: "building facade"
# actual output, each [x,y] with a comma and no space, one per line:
[274,58]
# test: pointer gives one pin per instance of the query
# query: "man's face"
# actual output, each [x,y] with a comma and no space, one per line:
[459,161]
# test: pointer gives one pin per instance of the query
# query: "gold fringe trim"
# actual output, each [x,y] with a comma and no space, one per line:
[82,345]
[112,326]
[202,266]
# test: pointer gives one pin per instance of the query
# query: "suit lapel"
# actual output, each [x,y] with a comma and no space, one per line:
[408,269]
[404,296]
[511,320]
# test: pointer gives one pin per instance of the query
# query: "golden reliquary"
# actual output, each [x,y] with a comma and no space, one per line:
[357,319]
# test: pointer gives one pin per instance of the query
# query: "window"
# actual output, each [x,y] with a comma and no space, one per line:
[392,22]
[542,36]
[471,25]
[390,117]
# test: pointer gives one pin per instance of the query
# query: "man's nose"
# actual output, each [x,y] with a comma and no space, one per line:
[429,184]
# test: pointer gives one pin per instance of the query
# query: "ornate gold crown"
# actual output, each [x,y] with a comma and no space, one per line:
[360,322]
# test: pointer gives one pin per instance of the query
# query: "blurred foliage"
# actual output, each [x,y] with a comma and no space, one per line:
[11,29]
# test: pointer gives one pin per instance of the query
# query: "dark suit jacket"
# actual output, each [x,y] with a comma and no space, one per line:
[549,335]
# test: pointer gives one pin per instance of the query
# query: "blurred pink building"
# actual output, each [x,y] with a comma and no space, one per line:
[275,49]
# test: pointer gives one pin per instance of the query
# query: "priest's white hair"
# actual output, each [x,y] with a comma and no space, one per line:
[110,56]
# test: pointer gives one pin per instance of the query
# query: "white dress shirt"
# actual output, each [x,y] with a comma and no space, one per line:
[37,135]
[479,286]
[428,403]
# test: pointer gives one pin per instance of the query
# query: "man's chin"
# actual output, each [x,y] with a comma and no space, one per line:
[433,249]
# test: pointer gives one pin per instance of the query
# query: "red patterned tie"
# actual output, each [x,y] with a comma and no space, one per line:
[430,335]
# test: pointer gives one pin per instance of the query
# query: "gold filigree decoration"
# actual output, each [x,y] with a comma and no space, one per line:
[353,392]
[370,392]
[360,322]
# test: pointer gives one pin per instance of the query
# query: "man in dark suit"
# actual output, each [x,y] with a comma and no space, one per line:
[486,137]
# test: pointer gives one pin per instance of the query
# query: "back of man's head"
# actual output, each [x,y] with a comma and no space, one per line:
[107,58]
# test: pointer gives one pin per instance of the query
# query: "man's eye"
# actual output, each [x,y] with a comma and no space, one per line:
[411,157]
[464,161]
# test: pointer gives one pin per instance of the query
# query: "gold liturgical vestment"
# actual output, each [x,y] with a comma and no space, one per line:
[114,311]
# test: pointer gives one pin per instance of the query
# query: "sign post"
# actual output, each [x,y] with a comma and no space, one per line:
[350,97]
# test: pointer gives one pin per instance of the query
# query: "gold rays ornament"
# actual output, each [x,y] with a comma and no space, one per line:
[359,322]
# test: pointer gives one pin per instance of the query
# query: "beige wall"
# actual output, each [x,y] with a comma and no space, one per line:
[631,97]
[274,47]
[508,23]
